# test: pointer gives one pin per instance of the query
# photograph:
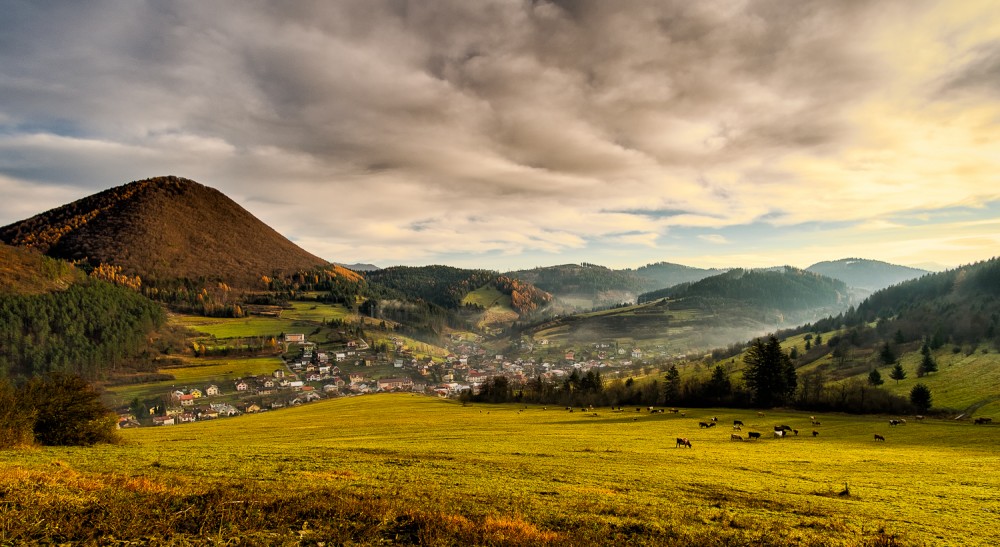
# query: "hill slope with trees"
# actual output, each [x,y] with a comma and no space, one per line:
[871,275]
[162,229]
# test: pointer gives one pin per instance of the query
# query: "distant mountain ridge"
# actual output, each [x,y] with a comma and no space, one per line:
[163,228]
[871,275]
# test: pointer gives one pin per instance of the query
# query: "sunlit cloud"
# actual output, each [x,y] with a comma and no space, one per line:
[525,133]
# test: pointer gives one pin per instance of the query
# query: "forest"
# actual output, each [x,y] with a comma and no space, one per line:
[93,328]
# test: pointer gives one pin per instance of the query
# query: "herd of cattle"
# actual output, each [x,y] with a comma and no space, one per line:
[779,431]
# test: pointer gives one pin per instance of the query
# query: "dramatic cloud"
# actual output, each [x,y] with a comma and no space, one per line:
[512,133]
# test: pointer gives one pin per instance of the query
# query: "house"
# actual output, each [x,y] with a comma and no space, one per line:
[252,408]
[340,356]
[313,377]
[268,383]
[570,356]
[295,338]
[241,386]
[279,373]
[392,384]
[330,388]
[636,353]
[196,393]
[212,391]
[187,400]
[163,420]
[185,418]
[207,414]
[357,378]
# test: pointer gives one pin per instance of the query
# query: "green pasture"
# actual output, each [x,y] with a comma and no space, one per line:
[316,312]
[241,327]
[543,476]
[197,372]
[487,296]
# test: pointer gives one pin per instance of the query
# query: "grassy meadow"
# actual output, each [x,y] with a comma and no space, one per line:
[403,468]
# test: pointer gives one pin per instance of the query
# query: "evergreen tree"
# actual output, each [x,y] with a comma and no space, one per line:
[718,386]
[886,355]
[897,373]
[672,387]
[927,365]
[875,378]
[769,373]
[920,397]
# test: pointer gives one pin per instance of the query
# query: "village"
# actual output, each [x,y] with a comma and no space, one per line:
[356,368]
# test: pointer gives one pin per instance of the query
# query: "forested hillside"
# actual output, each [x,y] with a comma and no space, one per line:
[958,306]
[583,279]
[870,275]
[446,286]
[665,274]
[92,329]
[788,289]
[160,230]
[24,271]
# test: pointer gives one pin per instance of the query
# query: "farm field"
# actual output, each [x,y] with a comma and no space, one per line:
[403,468]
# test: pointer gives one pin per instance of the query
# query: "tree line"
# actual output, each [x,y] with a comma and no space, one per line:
[769,380]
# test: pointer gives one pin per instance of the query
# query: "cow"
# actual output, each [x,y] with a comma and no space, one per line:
[893,422]
[760,414]
[919,417]
[737,428]
[703,424]
[983,420]
[682,442]
[735,437]
[796,432]
[779,433]
[815,433]
[711,424]
[879,438]
[753,435]
[715,418]
[816,422]
[737,422]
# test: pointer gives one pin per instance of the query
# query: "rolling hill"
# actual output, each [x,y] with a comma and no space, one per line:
[160,229]
[586,285]
[23,271]
[861,273]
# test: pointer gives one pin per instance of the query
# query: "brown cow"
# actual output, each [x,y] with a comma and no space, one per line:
[879,437]
[681,441]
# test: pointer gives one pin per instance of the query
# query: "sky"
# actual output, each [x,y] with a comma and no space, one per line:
[508,134]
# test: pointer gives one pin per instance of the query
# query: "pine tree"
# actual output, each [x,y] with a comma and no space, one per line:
[886,355]
[769,375]
[920,397]
[672,387]
[875,378]
[927,365]
[897,373]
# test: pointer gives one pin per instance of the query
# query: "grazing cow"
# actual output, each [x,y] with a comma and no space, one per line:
[879,438]
[760,414]
[682,442]
[737,428]
[815,432]
[753,435]
[983,420]
[893,422]
[919,417]
[816,422]
[715,418]
[737,422]
[711,424]
[779,433]
[796,432]
[703,424]
[735,437]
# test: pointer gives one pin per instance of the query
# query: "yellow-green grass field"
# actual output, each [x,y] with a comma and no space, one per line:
[197,372]
[404,468]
